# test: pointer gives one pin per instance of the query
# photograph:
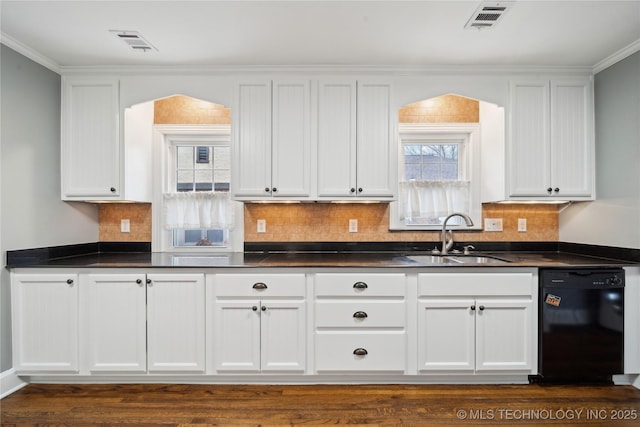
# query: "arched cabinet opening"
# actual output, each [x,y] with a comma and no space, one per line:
[188,143]
[450,159]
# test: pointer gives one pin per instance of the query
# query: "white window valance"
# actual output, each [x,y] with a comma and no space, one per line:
[423,202]
[200,209]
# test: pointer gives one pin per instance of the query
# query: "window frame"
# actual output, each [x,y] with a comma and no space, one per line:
[468,158]
[165,140]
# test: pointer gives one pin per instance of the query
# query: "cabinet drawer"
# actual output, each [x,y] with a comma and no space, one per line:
[371,285]
[384,352]
[477,284]
[259,285]
[353,314]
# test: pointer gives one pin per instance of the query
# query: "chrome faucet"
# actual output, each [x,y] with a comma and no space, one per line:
[448,244]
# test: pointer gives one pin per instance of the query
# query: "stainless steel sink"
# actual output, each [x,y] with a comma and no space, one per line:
[432,259]
[455,259]
[472,259]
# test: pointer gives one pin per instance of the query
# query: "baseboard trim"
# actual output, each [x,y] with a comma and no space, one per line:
[10,382]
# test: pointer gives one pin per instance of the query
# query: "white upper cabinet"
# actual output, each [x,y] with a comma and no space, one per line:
[356,148]
[272,141]
[551,148]
[90,157]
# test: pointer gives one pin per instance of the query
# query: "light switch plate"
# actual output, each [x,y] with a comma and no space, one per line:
[353,226]
[125,226]
[261,226]
[493,224]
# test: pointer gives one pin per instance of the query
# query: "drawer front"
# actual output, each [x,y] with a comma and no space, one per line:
[259,285]
[365,285]
[354,314]
[384,352]
[477,284]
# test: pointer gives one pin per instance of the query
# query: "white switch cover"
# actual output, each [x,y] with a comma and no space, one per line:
[493,224]
[522,225]
[125,226]
[262,226]
[353,226]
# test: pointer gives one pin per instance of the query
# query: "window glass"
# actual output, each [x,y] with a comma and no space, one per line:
[202,168]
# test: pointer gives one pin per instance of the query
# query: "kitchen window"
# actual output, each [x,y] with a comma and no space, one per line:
[197,212]
[438,172]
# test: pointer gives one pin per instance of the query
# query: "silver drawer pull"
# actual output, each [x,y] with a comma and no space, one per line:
[259,285]
[360,285]
[360,352]
[360,315]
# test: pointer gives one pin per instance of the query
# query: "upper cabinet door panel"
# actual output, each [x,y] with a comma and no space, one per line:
[375,142]
[291,143]
[571,108]
[252,140]
[90,139]
[336,138]
[529,165]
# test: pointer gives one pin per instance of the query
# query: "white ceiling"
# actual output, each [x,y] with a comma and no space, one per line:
[573,33]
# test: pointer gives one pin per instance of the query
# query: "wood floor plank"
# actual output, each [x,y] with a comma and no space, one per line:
[279,405]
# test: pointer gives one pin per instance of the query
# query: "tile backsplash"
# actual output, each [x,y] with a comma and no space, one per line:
[329,222]
[138,214]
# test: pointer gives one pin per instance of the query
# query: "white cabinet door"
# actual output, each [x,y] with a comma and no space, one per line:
[356,147]
[176,322]
[45,322]
[283,333]
[504,337]
[90,155]
[376,146]
[115,307]
[237,336]
[530,158]
[572,171]
[252,139]
[551,139]
[337,138]
[255,336]
[291,143]
[272,140]
[446,339]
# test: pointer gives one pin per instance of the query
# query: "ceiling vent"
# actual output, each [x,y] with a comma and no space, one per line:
[134,40]
[488,14]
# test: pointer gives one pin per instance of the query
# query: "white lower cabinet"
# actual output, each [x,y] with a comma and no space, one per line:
[140,323]
[360,322]
[116,330]
[259,323]
[475,323]
[45,322]
[472,322]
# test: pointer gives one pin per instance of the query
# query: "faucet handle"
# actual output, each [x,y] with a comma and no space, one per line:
[467,249]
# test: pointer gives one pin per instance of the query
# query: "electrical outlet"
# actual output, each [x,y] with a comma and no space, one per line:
[261,226]
[493,224]
[353,226]
[125,226]
[522,225]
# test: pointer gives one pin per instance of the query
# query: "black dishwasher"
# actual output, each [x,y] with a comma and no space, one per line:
[581,324]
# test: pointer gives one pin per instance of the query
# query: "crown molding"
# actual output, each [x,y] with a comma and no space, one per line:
[320,69]
[29,53]
[617,57]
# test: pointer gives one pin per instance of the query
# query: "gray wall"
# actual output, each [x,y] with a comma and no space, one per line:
[614,218]
[32,214]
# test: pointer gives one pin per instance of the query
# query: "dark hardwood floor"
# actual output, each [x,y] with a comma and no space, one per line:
[208,405]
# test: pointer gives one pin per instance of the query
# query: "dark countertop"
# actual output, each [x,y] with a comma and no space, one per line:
[318,259]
